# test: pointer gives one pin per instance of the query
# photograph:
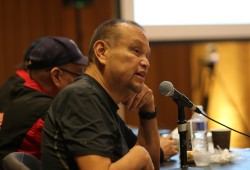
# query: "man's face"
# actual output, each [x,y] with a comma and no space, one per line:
[127,60]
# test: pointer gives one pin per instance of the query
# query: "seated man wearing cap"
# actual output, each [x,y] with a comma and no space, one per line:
[52,64]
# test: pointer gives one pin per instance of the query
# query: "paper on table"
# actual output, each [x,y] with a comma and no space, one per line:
[223,156]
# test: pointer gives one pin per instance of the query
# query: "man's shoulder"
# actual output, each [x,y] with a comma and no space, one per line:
[87,80]
[83,83]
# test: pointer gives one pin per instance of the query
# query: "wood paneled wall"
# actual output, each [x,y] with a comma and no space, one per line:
[23,21]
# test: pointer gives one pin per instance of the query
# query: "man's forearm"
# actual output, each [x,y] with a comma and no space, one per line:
[148,137]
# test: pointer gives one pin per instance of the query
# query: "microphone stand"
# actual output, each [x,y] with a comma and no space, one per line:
[182,130]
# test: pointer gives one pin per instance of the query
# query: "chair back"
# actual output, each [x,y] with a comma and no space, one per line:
[20,161]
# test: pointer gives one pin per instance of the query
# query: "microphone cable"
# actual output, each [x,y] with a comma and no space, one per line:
[204,114]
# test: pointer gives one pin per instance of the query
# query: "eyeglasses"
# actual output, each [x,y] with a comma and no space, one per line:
[70,72]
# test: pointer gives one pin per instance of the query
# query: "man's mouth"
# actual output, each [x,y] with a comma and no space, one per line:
[141,74]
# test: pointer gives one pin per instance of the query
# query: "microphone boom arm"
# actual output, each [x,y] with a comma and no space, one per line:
[183,100]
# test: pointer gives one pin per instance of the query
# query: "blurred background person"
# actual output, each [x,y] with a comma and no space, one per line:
[52,64]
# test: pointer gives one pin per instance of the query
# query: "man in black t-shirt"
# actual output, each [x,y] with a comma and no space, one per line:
[83,130]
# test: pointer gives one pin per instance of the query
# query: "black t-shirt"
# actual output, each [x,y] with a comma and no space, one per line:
[83,120]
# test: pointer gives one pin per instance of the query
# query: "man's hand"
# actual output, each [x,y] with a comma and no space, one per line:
[143,101]
[1,119]
[169,146]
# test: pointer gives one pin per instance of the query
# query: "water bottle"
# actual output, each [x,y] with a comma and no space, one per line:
[199,128]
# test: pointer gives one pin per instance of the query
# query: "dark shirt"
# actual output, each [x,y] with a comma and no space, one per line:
[23,122]
[8,91]
[83,120]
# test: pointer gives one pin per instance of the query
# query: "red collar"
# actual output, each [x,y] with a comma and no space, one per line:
[23,74]
[28,81]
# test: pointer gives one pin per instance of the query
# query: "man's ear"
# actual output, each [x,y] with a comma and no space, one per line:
[55,76]
[100,49]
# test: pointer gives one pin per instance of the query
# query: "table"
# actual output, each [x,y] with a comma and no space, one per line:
[242,164]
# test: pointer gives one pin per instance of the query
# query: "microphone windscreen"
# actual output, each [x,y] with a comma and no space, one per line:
[166,88]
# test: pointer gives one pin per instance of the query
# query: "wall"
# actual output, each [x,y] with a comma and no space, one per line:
[228,86]
[23,21]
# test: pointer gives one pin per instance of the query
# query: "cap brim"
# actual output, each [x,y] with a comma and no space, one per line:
[83,61]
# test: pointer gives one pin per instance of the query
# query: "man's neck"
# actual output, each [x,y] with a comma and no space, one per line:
[95,73]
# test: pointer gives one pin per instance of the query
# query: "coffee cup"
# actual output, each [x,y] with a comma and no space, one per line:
[221,138]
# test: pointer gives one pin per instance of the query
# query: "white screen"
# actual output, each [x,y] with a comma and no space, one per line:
[170,20]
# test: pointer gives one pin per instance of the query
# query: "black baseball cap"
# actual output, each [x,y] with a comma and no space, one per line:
[31,47]
[54,51]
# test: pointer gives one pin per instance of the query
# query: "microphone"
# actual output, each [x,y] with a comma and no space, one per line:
[167,89]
